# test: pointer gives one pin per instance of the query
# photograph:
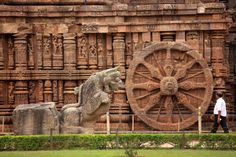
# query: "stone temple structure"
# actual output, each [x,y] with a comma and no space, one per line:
[173,55]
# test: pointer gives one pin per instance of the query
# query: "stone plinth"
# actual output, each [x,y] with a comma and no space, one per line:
[40,118]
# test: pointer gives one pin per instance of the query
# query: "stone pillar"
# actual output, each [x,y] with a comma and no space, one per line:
[119,50]
[109,54]
[39,54]
[217,60]
[121,108]
[1,52]
[60,93]
[21,87]
[40,90]
[32,94]
[47,91]
[1,93]
[70,51]
[128,49]
[57,52]
[207,47]
[55,91]
[21,92]
[20,44]
[69,96]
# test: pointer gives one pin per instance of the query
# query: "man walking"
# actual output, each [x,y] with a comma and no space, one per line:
[220,114]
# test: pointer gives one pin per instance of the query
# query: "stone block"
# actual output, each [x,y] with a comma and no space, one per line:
[40,118]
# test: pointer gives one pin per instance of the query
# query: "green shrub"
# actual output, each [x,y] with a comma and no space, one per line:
[104,141]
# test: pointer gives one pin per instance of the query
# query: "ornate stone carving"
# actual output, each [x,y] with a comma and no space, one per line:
[39,43]
[30,53]
[89,28]
[52,48]
[70,51]
[69,96]
[47,54]
[20,44]
[55,91]
[193,35]
[57,46]
[1,53]
[119,50]
[93,101]
[128,49]
[40,91]
[60,93]
[162,82]
[11,96]
[47,91]
[92,50]
[1,93]
[82,56]
[32,96]
[11,51]
[101,52]
[21,92]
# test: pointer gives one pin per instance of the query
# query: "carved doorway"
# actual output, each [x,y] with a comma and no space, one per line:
[166,83]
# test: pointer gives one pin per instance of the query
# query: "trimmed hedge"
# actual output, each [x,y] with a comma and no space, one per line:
[104,141]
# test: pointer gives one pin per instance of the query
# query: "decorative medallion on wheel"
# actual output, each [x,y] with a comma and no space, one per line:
[167,83]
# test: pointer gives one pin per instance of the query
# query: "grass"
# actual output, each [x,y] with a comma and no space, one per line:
[119,153]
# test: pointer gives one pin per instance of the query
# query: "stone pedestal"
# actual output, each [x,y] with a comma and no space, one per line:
[41,118]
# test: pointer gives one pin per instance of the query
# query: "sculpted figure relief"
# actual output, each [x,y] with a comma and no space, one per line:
[93,101]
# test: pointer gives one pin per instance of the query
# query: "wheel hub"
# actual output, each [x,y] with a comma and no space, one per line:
[169,86]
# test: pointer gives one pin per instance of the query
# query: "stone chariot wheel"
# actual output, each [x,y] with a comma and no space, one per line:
[167,83]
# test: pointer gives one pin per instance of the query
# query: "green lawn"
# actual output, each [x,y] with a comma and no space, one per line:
[118,153]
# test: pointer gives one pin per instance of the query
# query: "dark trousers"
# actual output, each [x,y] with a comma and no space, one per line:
[222,123]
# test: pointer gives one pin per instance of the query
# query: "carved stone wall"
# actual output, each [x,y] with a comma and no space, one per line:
[46,50]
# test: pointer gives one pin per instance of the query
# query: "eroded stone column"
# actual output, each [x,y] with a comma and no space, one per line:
[217,59]
[69,96]
[20,44]
[1,52]
[21,87]
[119,50]
[21,92]
[70,51]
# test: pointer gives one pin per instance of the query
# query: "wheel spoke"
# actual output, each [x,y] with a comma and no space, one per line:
[145,76]
[187,85]
[194,96]
[154,99]
[180,114]
[191,76]
[158,65]
[181,72]
[185,101]
[149,86]
[168,68]
[155,72]
[168,104]
[145,95]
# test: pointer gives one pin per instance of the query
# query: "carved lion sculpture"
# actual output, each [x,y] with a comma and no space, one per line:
[93,101]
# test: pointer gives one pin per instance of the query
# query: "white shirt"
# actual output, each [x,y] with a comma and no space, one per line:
[220,106]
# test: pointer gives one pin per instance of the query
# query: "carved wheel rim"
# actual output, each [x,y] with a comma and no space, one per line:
[167,83]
